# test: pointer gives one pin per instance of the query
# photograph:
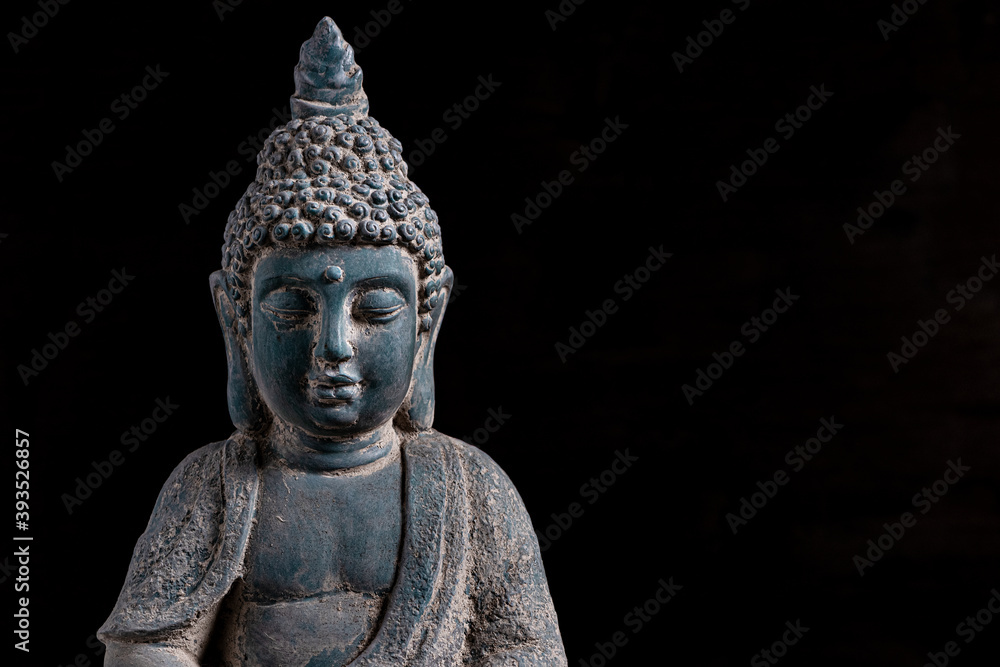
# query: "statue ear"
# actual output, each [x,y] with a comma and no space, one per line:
[246,408]
[419,406]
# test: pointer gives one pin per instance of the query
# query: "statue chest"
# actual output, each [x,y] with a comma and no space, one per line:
[320,563]
[317,534]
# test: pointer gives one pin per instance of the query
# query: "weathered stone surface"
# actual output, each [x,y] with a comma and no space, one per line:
[335,526]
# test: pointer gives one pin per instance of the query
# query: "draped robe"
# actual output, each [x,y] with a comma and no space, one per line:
[470,589]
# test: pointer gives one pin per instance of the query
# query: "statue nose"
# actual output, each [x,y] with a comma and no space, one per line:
[334,343]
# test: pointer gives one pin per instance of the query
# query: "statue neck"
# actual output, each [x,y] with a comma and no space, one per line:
[301,451]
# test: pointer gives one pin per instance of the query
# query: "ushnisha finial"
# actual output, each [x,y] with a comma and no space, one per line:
[327,80]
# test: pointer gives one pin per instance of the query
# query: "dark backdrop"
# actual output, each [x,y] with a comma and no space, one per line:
[521,290]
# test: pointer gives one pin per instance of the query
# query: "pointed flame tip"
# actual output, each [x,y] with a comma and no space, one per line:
[327,25]
[327,80]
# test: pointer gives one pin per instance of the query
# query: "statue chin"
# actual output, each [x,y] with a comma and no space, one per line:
[335,526]
[331,421]
[331,425]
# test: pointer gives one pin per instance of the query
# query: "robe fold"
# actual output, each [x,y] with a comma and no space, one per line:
[470,588]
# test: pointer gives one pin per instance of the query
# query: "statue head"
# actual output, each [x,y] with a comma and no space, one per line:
[333,283]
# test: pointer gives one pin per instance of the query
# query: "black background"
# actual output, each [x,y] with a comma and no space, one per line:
[656,184]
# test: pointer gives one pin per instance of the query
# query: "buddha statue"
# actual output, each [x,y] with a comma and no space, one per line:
[335,526]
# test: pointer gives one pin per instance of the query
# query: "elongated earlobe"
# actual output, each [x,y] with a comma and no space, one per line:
[246,408]
[417,413]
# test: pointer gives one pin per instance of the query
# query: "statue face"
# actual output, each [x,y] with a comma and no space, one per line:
[334,335]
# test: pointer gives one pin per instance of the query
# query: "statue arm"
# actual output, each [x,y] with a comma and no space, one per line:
[182,649]
[157,619]
[121,654]
[513,618]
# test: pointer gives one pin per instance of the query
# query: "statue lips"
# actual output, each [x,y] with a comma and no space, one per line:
[334,389]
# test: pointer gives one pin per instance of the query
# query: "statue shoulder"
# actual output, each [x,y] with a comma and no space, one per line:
[473,459]
[189,477]
[490,488]
[483,470]
[191,549]
[197,460]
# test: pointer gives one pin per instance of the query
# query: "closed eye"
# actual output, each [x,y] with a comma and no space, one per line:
[379,306]
[291,305]
[379,315]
